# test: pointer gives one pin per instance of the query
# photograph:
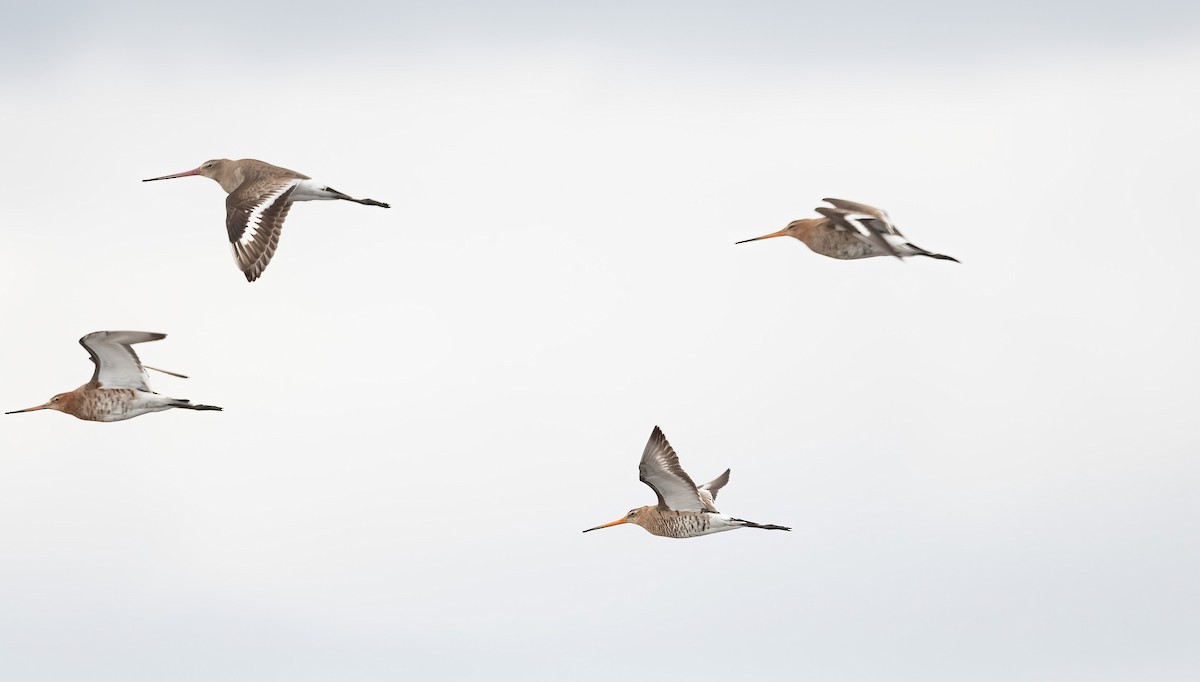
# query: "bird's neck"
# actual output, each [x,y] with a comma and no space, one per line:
[230,178]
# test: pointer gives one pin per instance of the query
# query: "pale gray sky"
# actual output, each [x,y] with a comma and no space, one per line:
[990,468]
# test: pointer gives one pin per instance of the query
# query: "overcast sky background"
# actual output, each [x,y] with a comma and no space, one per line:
[990,468]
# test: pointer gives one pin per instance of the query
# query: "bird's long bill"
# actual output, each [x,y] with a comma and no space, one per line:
[614,523]
[781,233]
[194,171]
[45,406]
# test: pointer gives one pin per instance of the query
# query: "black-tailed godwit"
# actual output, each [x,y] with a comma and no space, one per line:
[851,230]
[259,198]
[684,509]
[120,388]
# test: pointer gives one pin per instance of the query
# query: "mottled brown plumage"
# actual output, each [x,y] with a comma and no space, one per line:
[119,388]
[849,231]
[684,509]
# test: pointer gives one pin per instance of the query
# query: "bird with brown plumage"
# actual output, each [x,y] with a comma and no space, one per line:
[684,509]
[120,387]
[849,231]
[260,196]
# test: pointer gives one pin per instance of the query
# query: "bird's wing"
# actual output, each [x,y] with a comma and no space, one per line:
[869,224]
[660,470]
[117,366]
[716,484]
[254,215]
[708,491]
[853,209]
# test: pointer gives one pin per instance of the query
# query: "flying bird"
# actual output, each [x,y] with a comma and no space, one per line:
[120,387]
[684,509]
[259,198]
[851,230]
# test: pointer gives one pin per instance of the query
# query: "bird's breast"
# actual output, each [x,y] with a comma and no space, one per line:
[841,245]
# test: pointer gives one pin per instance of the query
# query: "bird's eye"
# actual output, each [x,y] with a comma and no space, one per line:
[55,399]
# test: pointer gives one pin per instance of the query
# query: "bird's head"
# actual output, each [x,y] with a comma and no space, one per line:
[209,169]
[635,516]
[794,229]
[60,402]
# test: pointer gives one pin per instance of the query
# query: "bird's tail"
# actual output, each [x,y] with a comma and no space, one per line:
[364,202]
[188,405]
[371,202]
[929,254]
[765,526]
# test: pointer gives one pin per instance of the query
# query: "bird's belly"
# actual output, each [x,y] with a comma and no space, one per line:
[311,190]
[691,525]
[843,246]
[114,405]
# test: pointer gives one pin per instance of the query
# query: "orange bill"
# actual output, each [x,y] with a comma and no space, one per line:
[614,523]
[781,233]
[31,409]
[194,171]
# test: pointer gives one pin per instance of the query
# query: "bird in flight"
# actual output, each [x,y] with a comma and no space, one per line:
[259,198]
[851,230]
[684,509]
[120,387]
